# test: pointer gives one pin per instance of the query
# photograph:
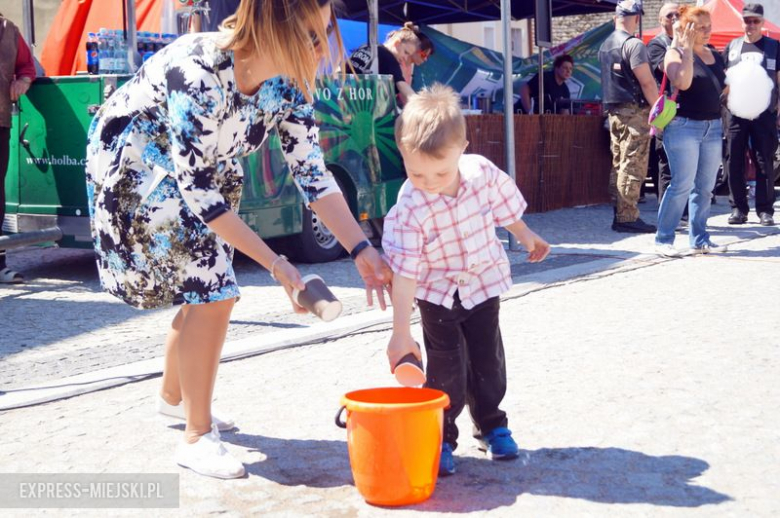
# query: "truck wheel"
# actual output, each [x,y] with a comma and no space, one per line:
[316,243]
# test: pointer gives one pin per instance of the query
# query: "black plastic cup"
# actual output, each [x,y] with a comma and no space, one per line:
[318,299]
[409,371]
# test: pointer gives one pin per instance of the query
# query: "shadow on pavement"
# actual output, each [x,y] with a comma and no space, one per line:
[297,462]
[773,253]
[605,475]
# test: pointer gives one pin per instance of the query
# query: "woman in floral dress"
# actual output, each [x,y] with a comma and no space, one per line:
[164,185]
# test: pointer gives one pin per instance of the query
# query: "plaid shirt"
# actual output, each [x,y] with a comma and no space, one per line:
[450,243]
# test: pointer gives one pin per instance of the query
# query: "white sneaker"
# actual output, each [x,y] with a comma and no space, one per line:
[209,457]
[223,422]
[667,250]
[711,248]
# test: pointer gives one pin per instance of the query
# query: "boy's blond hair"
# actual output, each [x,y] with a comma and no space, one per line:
[431,122]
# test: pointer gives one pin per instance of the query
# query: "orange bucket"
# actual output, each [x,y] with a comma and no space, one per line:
[394,437]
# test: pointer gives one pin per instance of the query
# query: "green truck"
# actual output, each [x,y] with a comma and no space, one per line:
[45,185]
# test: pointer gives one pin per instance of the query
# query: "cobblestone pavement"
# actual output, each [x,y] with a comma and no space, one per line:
[645,391]
[61,324]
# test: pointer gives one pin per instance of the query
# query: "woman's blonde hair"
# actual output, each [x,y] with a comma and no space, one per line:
[431,122]
[290,31]
[406,34]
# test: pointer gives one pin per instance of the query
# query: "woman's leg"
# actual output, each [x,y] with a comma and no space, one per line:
[171,386]
[200,341]
[706,174]
[682,148]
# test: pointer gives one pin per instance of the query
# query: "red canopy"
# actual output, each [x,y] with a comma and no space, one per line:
[65,52]
[726,23]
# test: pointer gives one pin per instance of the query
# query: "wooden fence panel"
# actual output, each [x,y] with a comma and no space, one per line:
[561,161]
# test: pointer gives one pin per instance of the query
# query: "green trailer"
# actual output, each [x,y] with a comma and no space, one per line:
[45,184]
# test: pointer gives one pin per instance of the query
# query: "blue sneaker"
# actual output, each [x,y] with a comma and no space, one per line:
[499,444]
[446,461]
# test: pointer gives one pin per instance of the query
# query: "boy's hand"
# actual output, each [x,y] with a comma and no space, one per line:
[538,248]
[400,345]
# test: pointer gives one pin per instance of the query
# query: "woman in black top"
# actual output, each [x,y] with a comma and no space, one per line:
[693,139]
[400,47]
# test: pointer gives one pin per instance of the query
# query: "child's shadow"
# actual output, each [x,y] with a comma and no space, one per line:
[606,475]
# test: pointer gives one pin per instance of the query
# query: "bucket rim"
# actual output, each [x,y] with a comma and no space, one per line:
[437,400]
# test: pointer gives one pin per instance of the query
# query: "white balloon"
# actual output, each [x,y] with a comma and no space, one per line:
[750,89]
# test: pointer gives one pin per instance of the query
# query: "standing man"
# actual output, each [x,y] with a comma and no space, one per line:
[656,51]
[762,131]
[628,90]
[17,72]
[555,88]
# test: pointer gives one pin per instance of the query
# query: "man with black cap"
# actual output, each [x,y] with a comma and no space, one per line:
[628,90]
[761,132]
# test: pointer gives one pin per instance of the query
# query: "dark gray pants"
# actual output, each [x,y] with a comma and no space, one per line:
[466,360]
[762,133]
[5,145]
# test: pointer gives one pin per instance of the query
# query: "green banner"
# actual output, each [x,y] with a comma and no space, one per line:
[477,71]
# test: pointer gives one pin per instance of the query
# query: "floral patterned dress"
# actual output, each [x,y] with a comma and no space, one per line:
[162,161]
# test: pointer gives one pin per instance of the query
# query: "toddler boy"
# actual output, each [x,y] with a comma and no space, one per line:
[441,244]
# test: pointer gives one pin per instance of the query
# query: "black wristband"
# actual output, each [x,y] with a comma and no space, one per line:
[359,248]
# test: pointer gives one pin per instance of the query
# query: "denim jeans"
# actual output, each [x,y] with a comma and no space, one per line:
[694,150]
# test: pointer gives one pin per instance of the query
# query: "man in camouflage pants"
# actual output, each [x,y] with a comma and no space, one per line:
[628,90]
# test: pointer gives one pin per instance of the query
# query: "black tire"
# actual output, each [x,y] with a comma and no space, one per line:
[316,243]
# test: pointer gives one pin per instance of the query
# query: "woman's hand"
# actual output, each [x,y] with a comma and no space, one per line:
[687,36]
[290,279]
[376,275]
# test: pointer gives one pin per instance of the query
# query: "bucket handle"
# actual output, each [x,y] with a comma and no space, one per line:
[339,422]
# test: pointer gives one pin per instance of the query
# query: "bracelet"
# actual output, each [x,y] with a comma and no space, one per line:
[359,248]
[280,257]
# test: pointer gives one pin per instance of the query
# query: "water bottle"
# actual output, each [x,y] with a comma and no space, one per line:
[124,54]
[141,39]
[158,41]
[103,58]
[117,37]
[111,53]
[92,54]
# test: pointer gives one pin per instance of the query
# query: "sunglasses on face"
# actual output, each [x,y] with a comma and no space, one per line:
[315,41]
[672,16]
[752,21]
